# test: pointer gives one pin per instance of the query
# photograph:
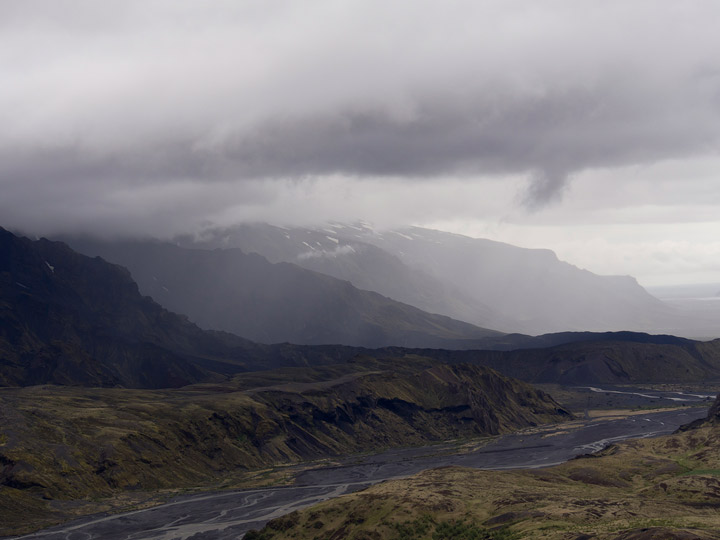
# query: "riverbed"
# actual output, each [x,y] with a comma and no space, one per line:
[230,514]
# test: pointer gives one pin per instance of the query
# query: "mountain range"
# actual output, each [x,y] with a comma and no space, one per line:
[66,318]
[72,325]
[244,293]
[487,283]
[353,285]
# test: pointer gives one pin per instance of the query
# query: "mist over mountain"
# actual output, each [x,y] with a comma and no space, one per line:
[69,319]
[340,252]
[227,289]
[488,283]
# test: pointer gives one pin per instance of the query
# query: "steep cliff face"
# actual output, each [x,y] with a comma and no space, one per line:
[70,319]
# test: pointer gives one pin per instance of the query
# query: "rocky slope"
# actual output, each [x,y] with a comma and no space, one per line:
[247,295]
[70,444]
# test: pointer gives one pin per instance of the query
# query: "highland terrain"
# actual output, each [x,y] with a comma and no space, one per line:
[109,399]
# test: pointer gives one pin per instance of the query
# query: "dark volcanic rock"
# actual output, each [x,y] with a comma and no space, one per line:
[714,412]
[66,318]
[70,319]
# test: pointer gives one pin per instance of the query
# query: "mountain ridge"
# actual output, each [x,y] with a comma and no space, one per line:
[243,293]
[71,334]
[485,282]
[66,318]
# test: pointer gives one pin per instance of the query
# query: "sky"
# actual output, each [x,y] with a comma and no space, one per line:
[589,128]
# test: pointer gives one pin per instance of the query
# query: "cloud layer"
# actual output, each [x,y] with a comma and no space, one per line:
[156,115]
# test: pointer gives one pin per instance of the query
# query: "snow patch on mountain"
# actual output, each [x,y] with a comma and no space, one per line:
[337,252]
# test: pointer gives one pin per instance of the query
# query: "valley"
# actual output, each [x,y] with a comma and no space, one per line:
[63,445]
[359,270]
[121,418]
[643,489]
[229,514]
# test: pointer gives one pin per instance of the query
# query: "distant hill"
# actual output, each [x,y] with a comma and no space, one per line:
[483,282]
[612,359]
[247,295]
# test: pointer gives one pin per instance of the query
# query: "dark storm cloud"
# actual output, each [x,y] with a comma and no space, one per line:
[550,135]
[101,99]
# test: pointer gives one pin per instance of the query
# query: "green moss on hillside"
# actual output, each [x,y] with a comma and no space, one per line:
[69,444]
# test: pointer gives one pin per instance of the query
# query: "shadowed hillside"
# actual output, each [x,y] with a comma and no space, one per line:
[70,319]
[270,303]
[615,359]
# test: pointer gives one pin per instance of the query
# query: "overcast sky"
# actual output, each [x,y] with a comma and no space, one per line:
[588,127]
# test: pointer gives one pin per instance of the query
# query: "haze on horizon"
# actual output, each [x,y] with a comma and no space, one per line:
[589,128]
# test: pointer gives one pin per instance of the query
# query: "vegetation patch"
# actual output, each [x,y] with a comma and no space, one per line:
[426,527]
[703,472]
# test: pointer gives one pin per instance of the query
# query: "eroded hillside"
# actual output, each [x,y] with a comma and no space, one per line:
[64,444]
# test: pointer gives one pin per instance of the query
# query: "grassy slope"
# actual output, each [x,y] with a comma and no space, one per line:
[653,488]
[72,444]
